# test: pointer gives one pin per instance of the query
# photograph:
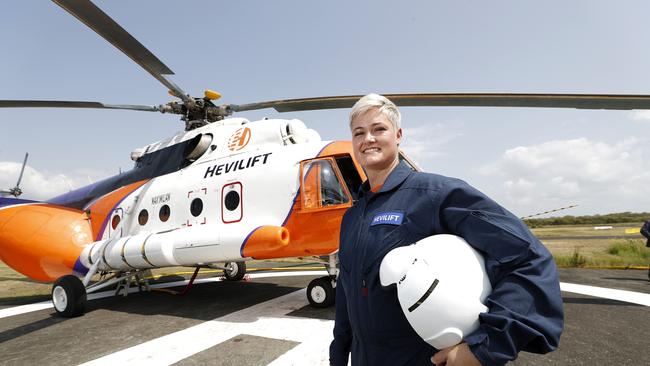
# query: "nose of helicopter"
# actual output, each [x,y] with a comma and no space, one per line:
[42,241]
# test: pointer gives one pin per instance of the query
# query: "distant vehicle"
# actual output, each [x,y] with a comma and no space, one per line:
[603,227]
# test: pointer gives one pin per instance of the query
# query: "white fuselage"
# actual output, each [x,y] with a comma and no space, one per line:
[263,174]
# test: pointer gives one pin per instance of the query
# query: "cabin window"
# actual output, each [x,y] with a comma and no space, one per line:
[196,207]
[164,213]
[231,200]
[232,197]
[143,217]
[115,221]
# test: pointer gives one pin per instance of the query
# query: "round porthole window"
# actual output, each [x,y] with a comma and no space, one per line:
[231,200]
[196,207]
[115,221]
[164,213]
[143,217]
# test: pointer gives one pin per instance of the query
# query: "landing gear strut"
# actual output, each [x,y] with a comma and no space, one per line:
[69,292]
[321,291]
[234,271]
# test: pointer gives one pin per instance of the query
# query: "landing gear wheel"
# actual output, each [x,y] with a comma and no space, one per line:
[236,272]
[320,292]
[69,296]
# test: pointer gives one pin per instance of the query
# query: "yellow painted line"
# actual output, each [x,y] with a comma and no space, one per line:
[165,290]
[179,274]
[633,231]
[608,267]
[285,269]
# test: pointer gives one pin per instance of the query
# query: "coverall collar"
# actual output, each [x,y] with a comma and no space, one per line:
[395,178]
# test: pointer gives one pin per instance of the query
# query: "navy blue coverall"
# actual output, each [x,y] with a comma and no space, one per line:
[525,306]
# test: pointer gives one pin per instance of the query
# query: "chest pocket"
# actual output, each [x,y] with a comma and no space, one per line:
[368,238]
[383,242]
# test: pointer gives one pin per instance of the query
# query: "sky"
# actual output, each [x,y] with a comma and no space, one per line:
[529,160]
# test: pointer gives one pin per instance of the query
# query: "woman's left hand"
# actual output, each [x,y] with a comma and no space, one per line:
[458,355]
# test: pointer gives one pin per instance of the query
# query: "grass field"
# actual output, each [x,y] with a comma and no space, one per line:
[584,246]
[586,230]
[571,246]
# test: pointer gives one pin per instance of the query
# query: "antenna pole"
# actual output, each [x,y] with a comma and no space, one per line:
[542,213]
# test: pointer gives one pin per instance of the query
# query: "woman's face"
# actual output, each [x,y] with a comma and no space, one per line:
[375,141]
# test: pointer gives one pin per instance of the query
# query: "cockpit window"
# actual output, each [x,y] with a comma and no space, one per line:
[321,185]
[332,192]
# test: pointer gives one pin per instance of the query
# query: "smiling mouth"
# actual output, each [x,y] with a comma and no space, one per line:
[371,150]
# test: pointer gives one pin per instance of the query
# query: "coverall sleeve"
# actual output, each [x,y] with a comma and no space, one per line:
[525,306]
[340,346]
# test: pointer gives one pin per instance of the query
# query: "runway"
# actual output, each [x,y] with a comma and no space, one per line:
[267,321]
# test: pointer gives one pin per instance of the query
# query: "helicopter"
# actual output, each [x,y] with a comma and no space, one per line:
[224,191]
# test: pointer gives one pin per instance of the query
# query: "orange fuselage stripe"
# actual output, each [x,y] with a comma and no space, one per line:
[101,210]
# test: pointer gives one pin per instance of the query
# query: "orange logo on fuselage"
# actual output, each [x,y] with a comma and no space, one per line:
[239,139]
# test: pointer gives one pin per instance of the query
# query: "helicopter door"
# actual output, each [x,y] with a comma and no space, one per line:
[321,185]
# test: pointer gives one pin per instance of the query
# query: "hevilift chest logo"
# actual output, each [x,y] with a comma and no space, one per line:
[387,218]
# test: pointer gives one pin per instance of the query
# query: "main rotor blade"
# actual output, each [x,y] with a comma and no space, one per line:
[72,104]
[89,14]
[20,177]
[578,101]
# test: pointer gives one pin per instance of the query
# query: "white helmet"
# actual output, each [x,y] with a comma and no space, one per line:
[441,286]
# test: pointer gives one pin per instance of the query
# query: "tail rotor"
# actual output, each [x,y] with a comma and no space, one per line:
[16,191]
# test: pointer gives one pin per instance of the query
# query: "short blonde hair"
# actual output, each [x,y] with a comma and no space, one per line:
[385,107]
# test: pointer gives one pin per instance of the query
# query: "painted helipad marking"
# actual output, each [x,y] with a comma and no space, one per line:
[267,319]
[22,309]
[607,293]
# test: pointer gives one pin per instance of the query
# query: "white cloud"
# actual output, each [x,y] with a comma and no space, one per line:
[425,142]
[598,176]
[640,115]
[38,185]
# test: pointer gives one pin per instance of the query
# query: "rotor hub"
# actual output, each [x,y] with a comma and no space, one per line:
[197,113]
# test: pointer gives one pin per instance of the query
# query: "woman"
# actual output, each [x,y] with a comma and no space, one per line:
[525,307]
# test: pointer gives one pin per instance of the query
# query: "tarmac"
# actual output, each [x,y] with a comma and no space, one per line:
[267,320]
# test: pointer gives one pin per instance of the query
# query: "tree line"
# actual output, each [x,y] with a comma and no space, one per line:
[613,218]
